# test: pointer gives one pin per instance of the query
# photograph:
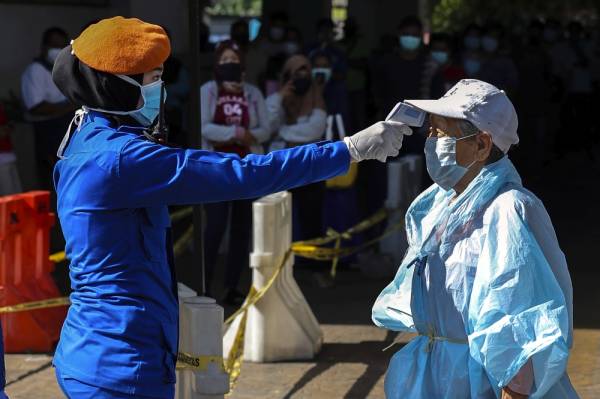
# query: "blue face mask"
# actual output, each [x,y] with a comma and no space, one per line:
[151,102]
[410,42]
[440,158]
[441,57]
[471,66]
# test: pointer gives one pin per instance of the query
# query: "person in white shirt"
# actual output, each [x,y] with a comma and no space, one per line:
[297,115]
[47,108]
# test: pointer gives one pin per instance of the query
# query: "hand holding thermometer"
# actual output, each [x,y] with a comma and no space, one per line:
[407,114]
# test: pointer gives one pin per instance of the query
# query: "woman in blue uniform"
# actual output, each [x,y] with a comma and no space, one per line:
[119,339]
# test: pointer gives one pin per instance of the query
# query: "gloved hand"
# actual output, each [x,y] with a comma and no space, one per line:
[378,141]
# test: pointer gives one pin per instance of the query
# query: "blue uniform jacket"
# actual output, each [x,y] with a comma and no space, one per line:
[113,190]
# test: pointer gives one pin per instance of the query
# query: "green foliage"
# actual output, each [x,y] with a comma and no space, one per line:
[242,8]
[454,15]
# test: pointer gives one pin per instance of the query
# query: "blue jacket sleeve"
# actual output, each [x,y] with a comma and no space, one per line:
[151,175]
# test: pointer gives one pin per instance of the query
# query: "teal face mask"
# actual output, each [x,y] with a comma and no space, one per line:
[440,159]
[441,57]
[151,102]
[410,42]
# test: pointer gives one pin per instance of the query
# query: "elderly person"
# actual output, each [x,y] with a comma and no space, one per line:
[484,282]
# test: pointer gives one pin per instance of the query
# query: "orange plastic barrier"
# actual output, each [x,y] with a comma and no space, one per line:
[25,223]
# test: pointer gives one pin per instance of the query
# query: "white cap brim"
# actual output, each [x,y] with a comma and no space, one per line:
[441,107]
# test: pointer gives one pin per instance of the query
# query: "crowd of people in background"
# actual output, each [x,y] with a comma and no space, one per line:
[282,89]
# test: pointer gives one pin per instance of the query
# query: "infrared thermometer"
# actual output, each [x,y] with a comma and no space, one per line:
[407,114]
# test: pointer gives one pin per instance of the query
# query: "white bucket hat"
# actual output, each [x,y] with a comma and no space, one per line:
[482,104]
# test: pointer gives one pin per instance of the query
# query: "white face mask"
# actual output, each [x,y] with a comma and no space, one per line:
[53,53]
[440,158]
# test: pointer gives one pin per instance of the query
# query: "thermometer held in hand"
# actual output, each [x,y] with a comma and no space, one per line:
[407,114]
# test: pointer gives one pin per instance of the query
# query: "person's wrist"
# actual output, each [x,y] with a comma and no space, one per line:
[354,154]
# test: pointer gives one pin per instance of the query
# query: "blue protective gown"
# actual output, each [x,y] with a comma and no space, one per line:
[486,286]
[113,188]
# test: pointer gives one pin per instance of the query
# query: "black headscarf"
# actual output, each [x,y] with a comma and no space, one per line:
[83,85]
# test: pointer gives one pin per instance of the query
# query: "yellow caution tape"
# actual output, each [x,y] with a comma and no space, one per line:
[34,305]
[236,353]
[186,361]
[254,295]
[182,213]
[58,257]
[235,357]
[313,249]
[180,245]
[233,364]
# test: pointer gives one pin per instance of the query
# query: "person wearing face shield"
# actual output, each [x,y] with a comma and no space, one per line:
[484,282]
[115,179]
[47,108]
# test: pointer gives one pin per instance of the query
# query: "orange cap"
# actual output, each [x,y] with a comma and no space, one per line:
[126,46]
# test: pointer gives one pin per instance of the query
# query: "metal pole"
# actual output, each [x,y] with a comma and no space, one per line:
[195,15]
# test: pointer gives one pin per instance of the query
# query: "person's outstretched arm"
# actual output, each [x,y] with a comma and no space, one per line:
[150,174]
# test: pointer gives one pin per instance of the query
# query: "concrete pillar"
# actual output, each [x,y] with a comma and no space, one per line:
[281,326]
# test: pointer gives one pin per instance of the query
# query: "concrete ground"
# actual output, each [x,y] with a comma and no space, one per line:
[352,363]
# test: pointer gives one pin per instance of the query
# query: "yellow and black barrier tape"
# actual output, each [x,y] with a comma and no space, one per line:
[58,257]
[313,249]
[186,361]
[35,305]
[233,365]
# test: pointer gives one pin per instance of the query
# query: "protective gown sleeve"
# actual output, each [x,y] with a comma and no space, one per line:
[517,308]
[391,309]
[150,174]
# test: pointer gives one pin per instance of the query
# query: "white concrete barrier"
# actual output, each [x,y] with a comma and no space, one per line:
[200,334]
[281,326]
[183,376]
